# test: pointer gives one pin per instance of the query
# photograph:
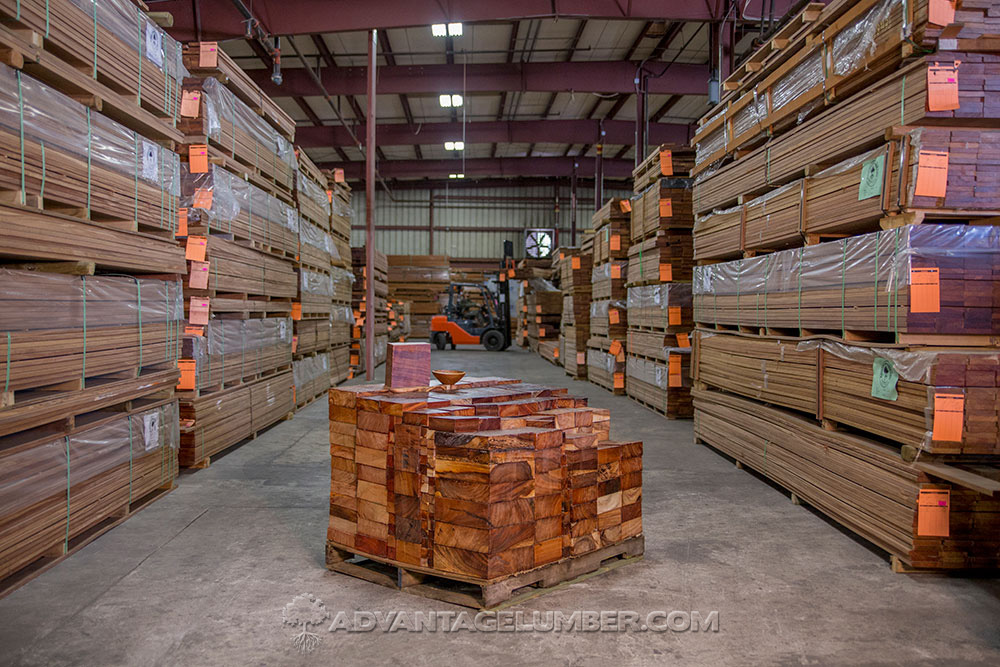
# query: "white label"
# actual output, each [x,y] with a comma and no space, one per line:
[282,329]
[151,430]
[150,168]
[154,44]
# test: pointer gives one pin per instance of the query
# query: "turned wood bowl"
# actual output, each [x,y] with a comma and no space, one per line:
[448,378]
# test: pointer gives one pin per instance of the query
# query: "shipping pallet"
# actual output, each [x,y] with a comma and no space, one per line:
[859,336]
[207,461]
[64,550]
[481,593]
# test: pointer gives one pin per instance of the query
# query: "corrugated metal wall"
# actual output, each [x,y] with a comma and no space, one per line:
[469,222]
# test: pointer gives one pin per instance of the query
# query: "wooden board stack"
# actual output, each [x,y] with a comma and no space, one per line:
[877,350]
[90,190]
[400,326]
[479,484]
[608,314]
[339,195]
[362,310]
[575,270]
[544,303]
[423,281]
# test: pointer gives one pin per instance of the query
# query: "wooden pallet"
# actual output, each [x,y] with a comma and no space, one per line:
[481,593]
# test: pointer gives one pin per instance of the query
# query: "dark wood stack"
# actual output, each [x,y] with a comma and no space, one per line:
[362,310]
[311,377]
[544,304]
[423,281]
[472,269]
[575,271]
[400,326]
[482,483]
[342,215]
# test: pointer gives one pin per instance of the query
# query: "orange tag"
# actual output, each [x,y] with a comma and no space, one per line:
[574,263]
[613,317]
[202,199]
[683,340]
[194,331]
[195,249]
[538,319]
[666,163]
[503,277]
[674,378]
[329,196]
[625,205]
[674,315]
[538,309]
[350,374]
[581,358]
[188,369]
[925,290]
[562,255]
[190,102]
[616,271]
[666,208]
[933,509]
[616,242]
[198,311]
[941,12]
[949,410]
[182,222]
[297,311]
[666,273]
[619,381]
[615,348]
[338,176]
[942,87]
[932,174]
[555,353]
[198,278]
[198,158]
[208,54]
[295,343]
[541,332]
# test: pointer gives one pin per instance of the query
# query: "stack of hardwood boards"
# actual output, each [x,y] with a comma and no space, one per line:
[608,314]
[423,281]
[360,306]
[399,323]
[860,373]
[91,312]
[490,480]
[575,267]
[544,304]
[528,275]
[657,364]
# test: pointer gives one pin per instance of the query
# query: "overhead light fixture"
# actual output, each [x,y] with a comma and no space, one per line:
[439,30]
[456,175]
[455,29]
[454,145]
[447,100]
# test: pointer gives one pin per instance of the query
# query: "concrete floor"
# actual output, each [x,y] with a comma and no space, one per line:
[201,576]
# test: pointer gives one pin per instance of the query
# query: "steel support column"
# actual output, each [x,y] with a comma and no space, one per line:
[599,169]
[370,210]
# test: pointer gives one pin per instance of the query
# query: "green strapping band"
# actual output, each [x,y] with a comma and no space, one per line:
[878,237]
[843,286]
[17,11]
[66,538]
[20,110]
[6,382]
[46,17]
[767,276]
[895,326]
[129,460]
[800,291]
[83,368]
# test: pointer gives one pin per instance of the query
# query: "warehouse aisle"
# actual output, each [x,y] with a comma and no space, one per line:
[201,576]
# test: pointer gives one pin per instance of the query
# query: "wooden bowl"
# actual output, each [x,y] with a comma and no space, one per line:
[448,378]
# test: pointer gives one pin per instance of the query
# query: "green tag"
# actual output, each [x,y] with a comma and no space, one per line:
[871,178]
[884,379]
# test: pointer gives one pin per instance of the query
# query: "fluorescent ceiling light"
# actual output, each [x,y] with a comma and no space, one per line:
[456,100]
[455,29]
[456,175]
[445,100]
[439,30]
[454,145]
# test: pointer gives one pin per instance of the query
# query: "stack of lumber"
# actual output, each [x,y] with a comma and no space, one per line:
[472,269]
[423,281]
[311,375]
[847,340]
[492,479]
[362,310]
[227,352]
[661,247]
[575,270]
[342,214]
[400,326]
[544,304]
[921,520]
[608,314]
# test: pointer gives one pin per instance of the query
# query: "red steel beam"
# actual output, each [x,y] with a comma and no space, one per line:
[370,126]
[493,167]
[485,132]
[581,76]
[220,20]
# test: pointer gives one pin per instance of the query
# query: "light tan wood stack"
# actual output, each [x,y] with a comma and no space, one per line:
[342,215]
[575,270]
[362,310]
[423,281]
[608,313]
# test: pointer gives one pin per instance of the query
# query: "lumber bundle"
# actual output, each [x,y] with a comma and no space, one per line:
[340,364]
[211,115]
[575,276]
[216,421]
[606,364]
[662,162]
[362,310]
[544,303]
[61,330]
[940,402]
[398,321]
[663,308]
[57,154]
[611,231]
[54,488]
[661,258]
[219,200]
[936,280]
[340,204]
[422,280]
[549,351]
[861,484]
[311,376]
[664,204]
[857,124]
[311,197]
[316,247]
[234,351]
[472,269]
[206,60]
[493,479]
[111,41]
[662,384]
[314,335]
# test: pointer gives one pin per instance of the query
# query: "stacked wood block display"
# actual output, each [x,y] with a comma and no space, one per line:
[846,303]
[92,301]
[608,314]
[362,310]
[575,272]
[423,281]
[492,481]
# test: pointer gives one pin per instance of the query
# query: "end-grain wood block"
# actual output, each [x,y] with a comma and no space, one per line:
[408,365]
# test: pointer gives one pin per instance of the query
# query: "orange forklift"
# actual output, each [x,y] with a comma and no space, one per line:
[468,322]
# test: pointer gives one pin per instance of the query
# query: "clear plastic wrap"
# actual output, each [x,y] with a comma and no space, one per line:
[913,366]
[712,142]
[605,271]
[658,373]
[308,189]
[860,39]
[315,284]
[236,348]
[342,279]
[599,309]
[44,119]
[316,237]
[342,209]
[601,360]
[342,315]
[751,116]
[53,469]
[309,370]
[803,77]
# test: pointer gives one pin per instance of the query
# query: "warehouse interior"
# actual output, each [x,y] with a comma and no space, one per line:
[649,331]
